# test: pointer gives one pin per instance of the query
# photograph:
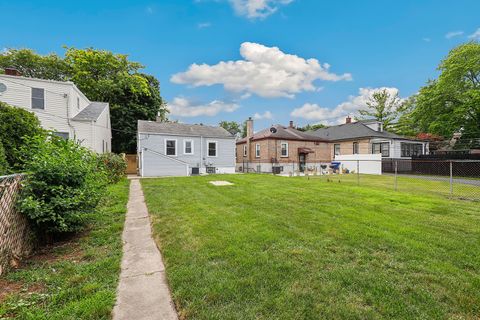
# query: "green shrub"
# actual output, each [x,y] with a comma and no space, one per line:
[3,160]
[63,185]
[15,125]
[114,166]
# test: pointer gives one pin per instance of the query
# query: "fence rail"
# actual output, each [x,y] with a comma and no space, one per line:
[457,178]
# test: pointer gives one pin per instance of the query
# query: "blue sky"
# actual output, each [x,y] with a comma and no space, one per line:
[264,57]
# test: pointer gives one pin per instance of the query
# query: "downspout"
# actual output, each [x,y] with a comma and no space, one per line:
[201,152]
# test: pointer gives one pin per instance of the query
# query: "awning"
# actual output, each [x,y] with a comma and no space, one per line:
[305,150]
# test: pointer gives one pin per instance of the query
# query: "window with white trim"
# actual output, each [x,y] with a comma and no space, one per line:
[38,98]
[188,146]
[212,148]
[355,148]
[284,149]
[245,150]
[336,149]
[257,150]
[381,147]
[171,147]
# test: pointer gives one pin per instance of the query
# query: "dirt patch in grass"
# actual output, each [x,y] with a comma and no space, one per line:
[8,288]
[66,250]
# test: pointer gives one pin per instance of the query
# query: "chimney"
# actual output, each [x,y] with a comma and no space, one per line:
[249,127]
[348,120]
[291,124]
[12,72]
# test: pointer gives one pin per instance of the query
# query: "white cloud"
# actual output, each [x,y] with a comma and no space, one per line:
[332,116]
[257,9]
[265,71]
[265,115]
[149,10]
[203,25]
[453,34]
[475,35]
[426,39]
[185,108]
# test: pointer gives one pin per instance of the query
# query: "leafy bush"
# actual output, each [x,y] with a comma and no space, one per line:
[3,160]
[63,185]
[114,166]
[15,125]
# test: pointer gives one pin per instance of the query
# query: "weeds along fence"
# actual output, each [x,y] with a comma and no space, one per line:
[456,178]
[16,238]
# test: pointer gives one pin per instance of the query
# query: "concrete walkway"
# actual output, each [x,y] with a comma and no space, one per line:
[143,292]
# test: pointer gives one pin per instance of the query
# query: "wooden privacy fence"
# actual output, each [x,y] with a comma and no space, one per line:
[131,163]
[16,237]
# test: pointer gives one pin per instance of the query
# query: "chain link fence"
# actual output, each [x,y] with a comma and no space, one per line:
[455,178]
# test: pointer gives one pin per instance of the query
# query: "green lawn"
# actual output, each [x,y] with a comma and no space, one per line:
[290,248]
[76,279]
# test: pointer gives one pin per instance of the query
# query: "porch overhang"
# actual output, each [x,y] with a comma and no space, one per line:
[305,150]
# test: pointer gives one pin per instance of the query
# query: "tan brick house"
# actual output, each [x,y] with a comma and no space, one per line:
[280,148]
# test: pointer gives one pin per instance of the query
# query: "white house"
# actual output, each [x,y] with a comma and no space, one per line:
[177,149]
[60,107]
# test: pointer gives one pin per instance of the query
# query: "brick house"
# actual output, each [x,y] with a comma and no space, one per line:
[368,137]
[285,149]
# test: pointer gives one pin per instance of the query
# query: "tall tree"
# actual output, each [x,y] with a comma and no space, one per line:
[451,103]
[231,126]
[382,106]
[312,127]
[102,76]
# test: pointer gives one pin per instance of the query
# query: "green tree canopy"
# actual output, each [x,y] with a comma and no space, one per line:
[102,76]
[451,103]
[382,106]
[311,127]
[231,126]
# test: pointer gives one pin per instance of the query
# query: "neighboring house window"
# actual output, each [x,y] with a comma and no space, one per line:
[171,147]
[188,146]
[63,135]
[245,150]
[78,103]
[257,150]
[38,98]
[284,149]
[212,148]
[355,148]
[411,149]
[103,146]
[381,147]
[336,149]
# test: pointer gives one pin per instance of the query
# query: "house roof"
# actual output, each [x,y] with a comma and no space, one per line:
[91,112]
[183,129]
[353,130]
[284,133]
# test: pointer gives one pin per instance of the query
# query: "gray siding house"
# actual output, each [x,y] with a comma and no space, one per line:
[177,149]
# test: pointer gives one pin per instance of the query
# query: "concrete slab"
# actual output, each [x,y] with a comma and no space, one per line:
[221,183]
[143,291]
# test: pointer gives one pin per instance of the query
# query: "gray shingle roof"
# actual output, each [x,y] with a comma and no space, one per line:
[91,112]
[286,133]
[183,129]
[353,130]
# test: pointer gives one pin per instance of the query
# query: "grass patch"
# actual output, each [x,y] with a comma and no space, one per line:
[290,248]
[76,279]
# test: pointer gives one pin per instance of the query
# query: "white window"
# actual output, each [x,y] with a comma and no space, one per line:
[170,147]
[245,150]
[212,148]
[284,149]
[188,146]
[257,150]
[38,98]
[336,149]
